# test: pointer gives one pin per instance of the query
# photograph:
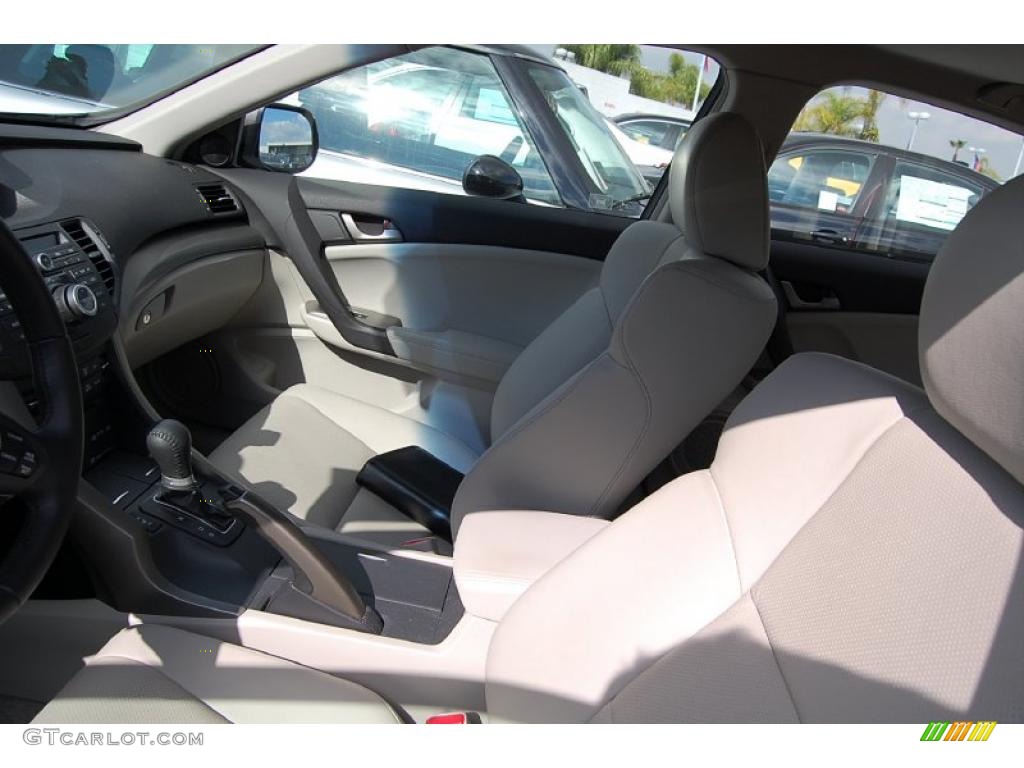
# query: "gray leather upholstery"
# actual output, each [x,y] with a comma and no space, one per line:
[601,395]
[972,328]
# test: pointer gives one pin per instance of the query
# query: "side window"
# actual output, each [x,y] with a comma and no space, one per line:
[921,206]
[925,197]
[885,174]
[826,180]
[817,193]
[418,121]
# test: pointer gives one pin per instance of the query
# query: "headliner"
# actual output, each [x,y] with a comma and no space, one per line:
[947,75]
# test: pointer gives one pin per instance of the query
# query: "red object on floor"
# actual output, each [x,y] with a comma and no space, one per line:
[449,718]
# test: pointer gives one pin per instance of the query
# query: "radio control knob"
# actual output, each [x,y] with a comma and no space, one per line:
[45,262]
[75,301]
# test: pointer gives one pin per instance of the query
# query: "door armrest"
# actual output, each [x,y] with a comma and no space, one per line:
[460,352]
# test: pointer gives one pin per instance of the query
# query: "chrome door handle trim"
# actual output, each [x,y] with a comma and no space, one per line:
[390,233]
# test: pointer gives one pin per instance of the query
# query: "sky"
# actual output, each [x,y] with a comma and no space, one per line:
[933,135]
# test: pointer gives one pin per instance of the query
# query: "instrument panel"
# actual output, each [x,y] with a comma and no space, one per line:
[80,273]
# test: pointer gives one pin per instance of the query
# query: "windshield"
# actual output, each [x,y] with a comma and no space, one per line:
[50,81]
[616,179]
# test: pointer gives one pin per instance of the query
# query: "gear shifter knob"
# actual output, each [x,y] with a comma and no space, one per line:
[170,445]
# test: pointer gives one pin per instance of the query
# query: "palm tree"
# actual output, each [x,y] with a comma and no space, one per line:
[614,59]
[869,130]
[621,60]
[834,113]
[842,114]
[957,145]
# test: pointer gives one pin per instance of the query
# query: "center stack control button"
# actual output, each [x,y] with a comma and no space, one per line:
[75,301]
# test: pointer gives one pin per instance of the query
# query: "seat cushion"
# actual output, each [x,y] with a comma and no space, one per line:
[157,674]
[303,452]
[849,557]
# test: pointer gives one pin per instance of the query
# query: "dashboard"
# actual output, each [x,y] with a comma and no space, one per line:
[155,250]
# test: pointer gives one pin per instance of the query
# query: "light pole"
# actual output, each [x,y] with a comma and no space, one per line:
[700,79]
[917,117]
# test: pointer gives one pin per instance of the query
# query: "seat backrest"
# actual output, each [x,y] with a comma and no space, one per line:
[678,318]
[854,554]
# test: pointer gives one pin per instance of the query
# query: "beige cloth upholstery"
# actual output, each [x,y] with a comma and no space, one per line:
[715,194]
[855,553]
[602,395]
[501,554]
[677,347]
[849,557]
[302,453]
[972,327]
[158,674]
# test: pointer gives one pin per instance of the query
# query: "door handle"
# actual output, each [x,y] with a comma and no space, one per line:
[828,236]
[358,229]
[827,302]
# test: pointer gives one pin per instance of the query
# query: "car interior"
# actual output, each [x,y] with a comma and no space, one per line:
[277,448]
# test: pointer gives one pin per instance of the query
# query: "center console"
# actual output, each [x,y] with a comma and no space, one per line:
[162,531]
[78,269]
[208,552]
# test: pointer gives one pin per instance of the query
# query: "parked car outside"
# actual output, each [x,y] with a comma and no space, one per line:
[419,120]
[848,192]
[650,159]
[662,131]
[845,192]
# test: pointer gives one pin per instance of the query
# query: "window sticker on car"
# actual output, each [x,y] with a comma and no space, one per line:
[931,203]
[827,201]
[492,106]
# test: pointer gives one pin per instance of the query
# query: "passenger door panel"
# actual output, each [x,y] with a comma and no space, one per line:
[872,317]
[460,285]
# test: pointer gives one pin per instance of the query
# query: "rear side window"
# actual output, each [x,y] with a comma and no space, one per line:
[875,172]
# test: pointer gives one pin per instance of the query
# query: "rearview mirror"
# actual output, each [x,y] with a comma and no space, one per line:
[490,176]
[285,138]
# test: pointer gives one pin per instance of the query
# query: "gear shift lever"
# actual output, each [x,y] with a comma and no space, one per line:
[317,582]
[170,445]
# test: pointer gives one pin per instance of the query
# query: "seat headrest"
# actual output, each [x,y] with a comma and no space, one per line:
[971,335]
[718,190]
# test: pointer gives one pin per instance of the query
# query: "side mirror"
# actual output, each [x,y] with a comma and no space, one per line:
[490,176]
[281,138]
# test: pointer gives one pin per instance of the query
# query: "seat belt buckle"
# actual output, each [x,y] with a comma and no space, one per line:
[454,718]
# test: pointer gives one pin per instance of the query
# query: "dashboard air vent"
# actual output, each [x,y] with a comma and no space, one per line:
[87,240]
[218,199]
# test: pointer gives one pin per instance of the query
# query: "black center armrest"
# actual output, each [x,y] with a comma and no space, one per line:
[416,483]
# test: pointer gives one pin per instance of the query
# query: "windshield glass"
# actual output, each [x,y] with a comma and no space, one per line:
[616,179]
[90,80]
